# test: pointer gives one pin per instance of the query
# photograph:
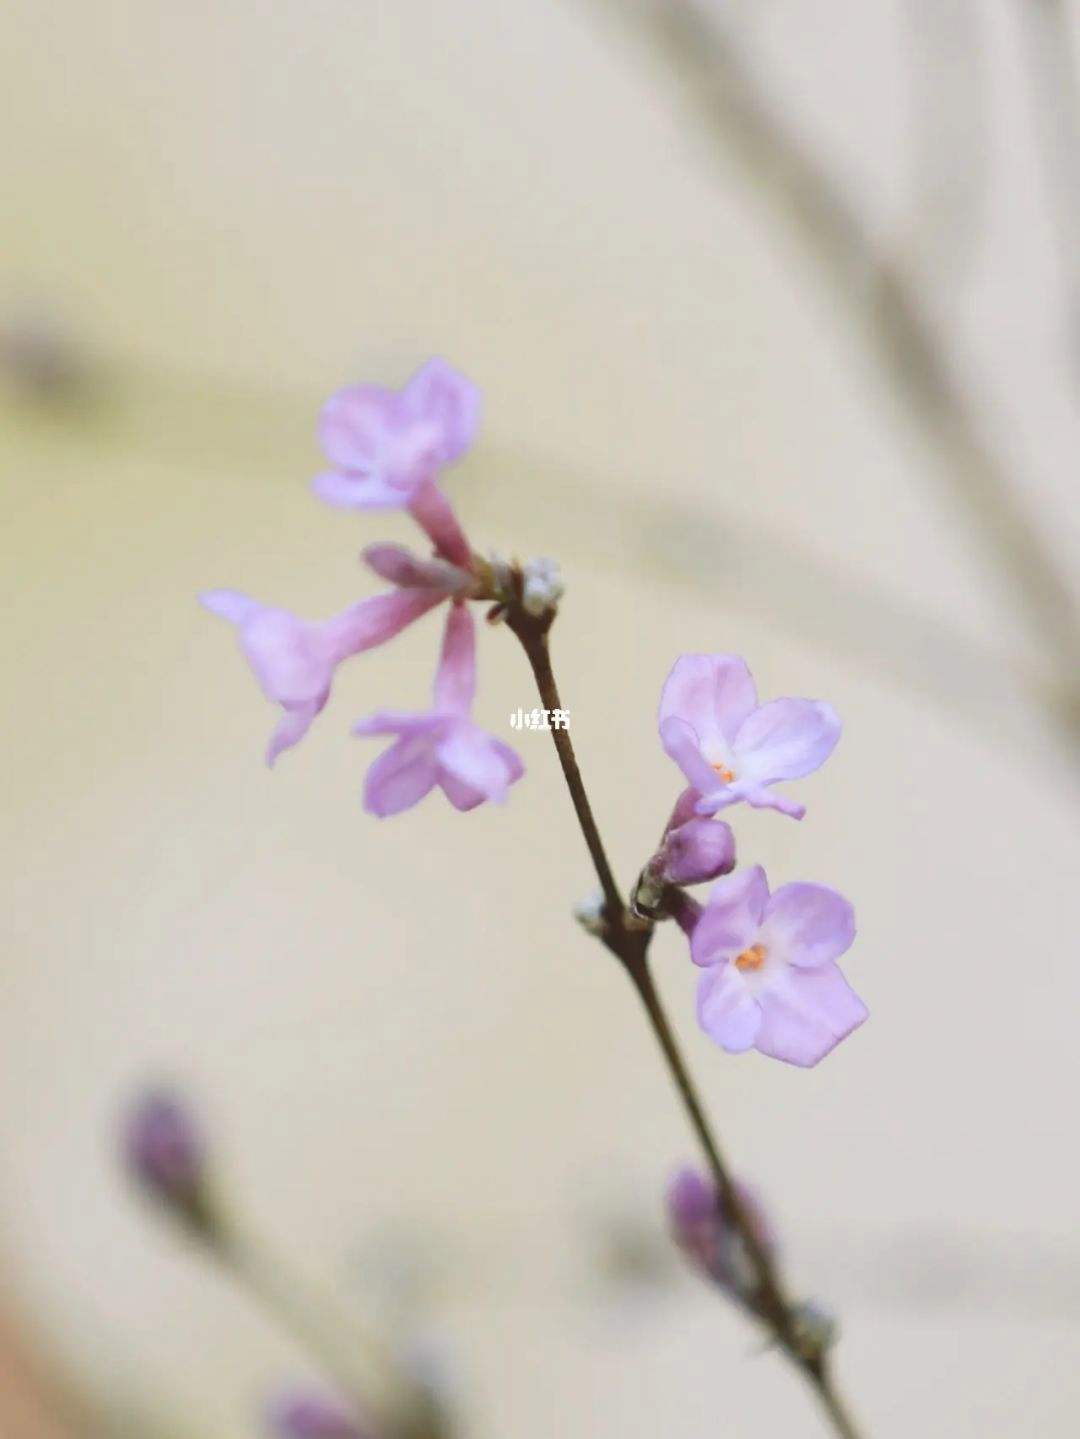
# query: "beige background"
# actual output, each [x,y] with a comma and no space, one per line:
[409,1054]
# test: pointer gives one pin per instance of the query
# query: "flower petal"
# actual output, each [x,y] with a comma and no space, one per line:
[291,728]
[231,605]
[808,924]
[461,795]
[726,1009]
[354,423]
[806,1013]
[786,739]
[359,492]
[442,396]
[401,776]
[681,743]
[761,797]
[477,760]
[731,919]
[712,693]
[290,657]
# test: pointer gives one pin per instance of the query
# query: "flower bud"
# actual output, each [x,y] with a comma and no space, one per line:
[703,1230]
[165,1154]
[401,567]
[306,1414]
[699,850]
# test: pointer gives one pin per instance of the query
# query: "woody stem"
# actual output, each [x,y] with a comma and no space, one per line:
[628,938]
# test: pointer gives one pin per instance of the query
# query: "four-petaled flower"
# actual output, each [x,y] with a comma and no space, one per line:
[731,748]
[771,981]
[388,446]
[441,746]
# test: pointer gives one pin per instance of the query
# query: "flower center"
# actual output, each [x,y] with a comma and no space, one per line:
[727,775]
[752,958]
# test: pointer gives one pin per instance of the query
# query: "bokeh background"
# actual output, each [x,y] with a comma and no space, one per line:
[427,1088]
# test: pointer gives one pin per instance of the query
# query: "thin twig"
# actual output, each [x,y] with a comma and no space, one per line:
[628,937]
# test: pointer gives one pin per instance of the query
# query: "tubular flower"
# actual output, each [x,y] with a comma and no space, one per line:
[771,981]
[294,660]
[728,746]
[441,746]
[388,446]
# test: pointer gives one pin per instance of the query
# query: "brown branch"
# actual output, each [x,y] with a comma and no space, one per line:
[627,936]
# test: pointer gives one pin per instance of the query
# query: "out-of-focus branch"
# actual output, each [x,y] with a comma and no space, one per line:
[949,138]
[1055,97]
[888,311]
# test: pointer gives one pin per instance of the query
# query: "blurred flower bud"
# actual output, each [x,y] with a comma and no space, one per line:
[165,1153]
[699,850]
[703,1230]
[307,1414]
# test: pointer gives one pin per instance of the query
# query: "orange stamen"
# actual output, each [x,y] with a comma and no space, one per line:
[727,775]
[752,958]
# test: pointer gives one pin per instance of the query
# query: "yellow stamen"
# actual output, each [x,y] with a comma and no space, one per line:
[752,958]
[727,775]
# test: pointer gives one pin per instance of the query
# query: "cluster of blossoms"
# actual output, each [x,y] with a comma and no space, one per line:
[770,979]
[388,449]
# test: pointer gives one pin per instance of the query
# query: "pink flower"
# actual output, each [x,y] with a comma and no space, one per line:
[771,981]
[731,748]
[294,660]
[388,446]
[441,746]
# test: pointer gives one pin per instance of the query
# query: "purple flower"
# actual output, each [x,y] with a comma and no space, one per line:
[165,1152]
[313,1415]
[731,748]
[441,746]
[702,1227]
[771,981]
[388,446]
[294,659]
